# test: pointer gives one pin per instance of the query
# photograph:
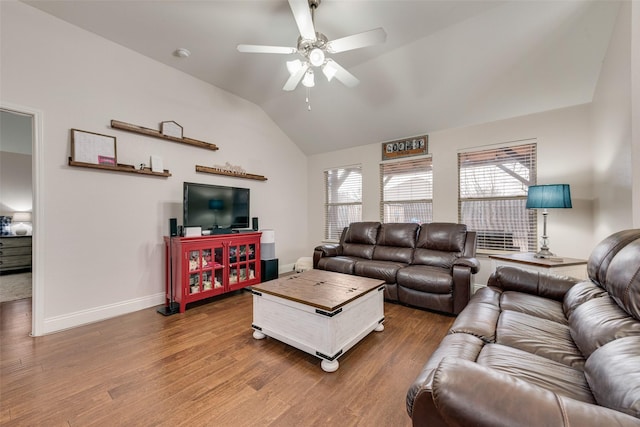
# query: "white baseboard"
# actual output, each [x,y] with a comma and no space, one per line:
[83,317]
[286,268]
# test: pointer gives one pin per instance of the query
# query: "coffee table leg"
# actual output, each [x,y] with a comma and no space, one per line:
[258,335]
[379,328]
[329,365]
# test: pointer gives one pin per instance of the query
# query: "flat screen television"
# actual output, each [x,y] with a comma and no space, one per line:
[215,206]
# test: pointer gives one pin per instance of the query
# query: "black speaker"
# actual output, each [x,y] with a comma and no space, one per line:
[254,222]
[269,269]
[173,227]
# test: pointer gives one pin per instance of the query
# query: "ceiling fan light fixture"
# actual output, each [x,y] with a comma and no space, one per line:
[316,57]
[308,80]
[294,66]
[329,70]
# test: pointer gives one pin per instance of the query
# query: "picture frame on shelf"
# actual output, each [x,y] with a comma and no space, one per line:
[93,148]
[171,128]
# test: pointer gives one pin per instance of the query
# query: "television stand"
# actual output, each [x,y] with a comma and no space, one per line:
[207,266]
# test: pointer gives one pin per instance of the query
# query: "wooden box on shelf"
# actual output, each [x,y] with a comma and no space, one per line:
[203,267]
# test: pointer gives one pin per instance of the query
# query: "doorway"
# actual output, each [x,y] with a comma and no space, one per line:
[20,146]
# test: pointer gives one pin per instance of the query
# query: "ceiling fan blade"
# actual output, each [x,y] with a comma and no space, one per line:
[253,48]
[302,15]
[342,74]
[295,78]
[356,41]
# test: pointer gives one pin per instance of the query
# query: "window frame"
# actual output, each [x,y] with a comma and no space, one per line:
[333,230]
[409,164]
[513,222]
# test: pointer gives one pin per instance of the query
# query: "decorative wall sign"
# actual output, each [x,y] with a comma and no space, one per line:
[415,146]
[94,148]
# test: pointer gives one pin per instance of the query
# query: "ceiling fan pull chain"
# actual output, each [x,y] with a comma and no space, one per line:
[307,99]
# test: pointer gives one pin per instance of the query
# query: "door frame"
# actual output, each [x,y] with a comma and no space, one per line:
[38,239]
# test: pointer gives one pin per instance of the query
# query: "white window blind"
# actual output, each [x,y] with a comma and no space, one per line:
[406,191]
[493,186]
[343,199]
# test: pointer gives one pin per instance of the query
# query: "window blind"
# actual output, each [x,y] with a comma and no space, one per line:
[406,191]
[343,199]
[492,195]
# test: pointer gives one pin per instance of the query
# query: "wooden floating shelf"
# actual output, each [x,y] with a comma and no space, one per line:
[120,168]
[157,134]
[214,171]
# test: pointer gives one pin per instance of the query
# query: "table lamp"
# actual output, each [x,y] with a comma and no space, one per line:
[548,197]
[20,218]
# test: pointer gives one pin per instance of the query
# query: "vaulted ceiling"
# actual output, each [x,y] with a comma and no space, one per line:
[445,63]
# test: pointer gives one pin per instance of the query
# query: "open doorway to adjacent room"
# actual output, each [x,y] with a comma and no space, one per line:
[17,202]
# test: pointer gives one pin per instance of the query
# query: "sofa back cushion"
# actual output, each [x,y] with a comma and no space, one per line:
[360,239]
[613,375]
[597,318]
[440,244]
[623,278]
[396,242]
[605,251]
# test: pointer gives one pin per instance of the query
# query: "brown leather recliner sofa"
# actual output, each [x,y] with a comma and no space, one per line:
[427,266]
[539,350]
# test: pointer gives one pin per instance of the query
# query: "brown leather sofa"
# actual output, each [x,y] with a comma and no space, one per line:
[538,350]
[427,266]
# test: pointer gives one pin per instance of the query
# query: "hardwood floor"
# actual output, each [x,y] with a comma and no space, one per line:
[203,368]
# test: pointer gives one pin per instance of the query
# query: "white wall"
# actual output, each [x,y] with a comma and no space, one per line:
[564,156]
[102,231]
[611,133]
[635,109]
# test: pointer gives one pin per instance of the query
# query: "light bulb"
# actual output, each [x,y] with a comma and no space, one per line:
[329,70]
[294,66]
[308,80]
[316,57]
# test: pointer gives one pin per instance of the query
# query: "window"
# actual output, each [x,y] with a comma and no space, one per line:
[343,199]
[406,191]
[492,198]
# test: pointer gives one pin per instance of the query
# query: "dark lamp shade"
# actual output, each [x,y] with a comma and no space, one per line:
[549,196]
[216,204]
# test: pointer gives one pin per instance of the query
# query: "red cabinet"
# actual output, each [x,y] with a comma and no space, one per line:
[202,267]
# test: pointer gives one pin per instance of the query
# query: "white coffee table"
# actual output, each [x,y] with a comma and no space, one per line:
[320,312]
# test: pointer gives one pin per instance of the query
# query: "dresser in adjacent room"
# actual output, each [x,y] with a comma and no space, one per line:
[15,253]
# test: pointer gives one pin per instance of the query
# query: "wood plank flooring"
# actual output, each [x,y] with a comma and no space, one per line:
[203,368]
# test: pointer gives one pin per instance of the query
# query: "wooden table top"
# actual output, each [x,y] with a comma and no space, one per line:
[322,289]
[528,258]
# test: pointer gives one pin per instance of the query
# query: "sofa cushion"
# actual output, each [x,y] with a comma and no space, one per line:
[364,233]
[425,278]
[542,337]
[480,316]
[383,270]
[606,251]
[579,294]
[440,244]
[599,321]
[539,307]
[613,372]
[537,370]
[623,279]
[401,235]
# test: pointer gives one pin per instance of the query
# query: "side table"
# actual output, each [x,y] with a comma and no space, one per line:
[559,266]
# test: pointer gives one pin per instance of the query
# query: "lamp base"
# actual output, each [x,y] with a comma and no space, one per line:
[544,253]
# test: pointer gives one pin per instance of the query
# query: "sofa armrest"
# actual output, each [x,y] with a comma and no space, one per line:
[466,393]
[325,250]
[531,282]
[472,263]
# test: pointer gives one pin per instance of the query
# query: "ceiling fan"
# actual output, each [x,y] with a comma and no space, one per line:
[314,46]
